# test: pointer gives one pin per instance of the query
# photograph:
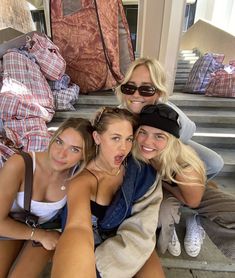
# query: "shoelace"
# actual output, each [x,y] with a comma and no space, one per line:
[195,231]
[174,238]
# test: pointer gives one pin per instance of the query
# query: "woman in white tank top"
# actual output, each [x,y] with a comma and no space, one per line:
[71,145]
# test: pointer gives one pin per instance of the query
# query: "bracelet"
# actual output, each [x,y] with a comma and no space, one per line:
[32,233]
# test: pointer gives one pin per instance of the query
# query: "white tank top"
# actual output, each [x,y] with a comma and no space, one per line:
[45,211]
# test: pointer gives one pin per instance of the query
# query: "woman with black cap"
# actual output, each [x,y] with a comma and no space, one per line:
[157,143]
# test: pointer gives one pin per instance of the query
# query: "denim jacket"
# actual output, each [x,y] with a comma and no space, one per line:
[137,180]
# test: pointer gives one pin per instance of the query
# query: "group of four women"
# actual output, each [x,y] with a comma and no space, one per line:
[114,197]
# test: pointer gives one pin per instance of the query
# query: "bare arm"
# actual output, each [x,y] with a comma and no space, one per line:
[9,186]
[189,195]
[74,256]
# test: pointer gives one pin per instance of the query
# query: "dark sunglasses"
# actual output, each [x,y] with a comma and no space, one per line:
[163,110]
[145,90]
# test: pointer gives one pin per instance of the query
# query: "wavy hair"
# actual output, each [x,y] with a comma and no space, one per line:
[105,115]
[173,160]
[157,75]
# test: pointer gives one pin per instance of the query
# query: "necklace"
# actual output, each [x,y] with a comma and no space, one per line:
[63,187]
[107,172]
[64,184]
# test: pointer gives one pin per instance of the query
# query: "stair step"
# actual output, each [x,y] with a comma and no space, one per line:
[199,101]
[186,51]
[215,137]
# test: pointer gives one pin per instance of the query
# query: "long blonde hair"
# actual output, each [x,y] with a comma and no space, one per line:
[157,75]
[173,160]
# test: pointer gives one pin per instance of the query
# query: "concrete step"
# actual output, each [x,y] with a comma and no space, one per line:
[209,118]
[198,101]
[209,263]
[215,137]
[201,118]
[183,70]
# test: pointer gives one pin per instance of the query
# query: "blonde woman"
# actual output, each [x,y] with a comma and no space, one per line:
[183,173]
[145,83]
[71,145]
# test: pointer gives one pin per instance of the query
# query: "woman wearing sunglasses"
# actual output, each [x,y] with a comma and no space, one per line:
[157,143]
[145,83]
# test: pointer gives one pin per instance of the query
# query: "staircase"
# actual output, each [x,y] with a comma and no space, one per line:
[186,59]
[214,117]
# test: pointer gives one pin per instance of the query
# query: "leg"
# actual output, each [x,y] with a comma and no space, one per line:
[213,162]
[31,261]
[9,250]
[152,268]
[217,216]
[168,215]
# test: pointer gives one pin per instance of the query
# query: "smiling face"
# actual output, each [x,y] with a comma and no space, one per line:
[151,141]
[115,143]
[66,150]
[140,77]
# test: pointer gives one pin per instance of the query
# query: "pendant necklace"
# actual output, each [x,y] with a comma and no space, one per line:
[63,185]
[107,172]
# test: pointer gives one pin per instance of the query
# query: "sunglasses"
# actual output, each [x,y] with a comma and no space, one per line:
[163,110]
[145,90]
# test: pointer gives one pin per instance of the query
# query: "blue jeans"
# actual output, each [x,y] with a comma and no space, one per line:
[213,161]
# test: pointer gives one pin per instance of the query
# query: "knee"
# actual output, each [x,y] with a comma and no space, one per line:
[169,212]
[215,166]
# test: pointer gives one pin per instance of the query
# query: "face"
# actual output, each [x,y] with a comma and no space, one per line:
[67,150]
[151,141]
[115,143]
[140,76]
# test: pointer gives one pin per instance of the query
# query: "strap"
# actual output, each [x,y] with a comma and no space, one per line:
[28,186]
[115,76]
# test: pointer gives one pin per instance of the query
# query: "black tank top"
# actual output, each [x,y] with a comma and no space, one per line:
[97,209]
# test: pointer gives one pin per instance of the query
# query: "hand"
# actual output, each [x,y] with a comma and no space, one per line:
[48,238]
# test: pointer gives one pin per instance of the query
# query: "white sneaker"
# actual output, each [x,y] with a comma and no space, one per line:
[174,247]
[194,236]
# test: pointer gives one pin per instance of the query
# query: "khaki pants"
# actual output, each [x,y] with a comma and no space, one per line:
[217,215]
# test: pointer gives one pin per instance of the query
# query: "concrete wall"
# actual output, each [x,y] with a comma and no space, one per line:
[159,31]
[208,38]
[16,14]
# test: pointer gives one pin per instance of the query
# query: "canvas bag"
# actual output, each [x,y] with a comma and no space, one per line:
[200,75]
[78,28]
[222,84]
[47,55]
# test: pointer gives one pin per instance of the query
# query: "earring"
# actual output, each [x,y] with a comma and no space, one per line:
[96,149]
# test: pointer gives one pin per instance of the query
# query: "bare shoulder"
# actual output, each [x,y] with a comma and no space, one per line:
[15,164]
[84,181]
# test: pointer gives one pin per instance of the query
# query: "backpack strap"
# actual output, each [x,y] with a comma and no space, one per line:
[28,186]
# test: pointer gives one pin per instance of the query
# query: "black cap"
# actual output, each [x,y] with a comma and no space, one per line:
[161,116]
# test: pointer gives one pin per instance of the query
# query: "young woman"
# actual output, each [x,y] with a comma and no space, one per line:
[157,143]
[145,83]
[70,145]
[91,192]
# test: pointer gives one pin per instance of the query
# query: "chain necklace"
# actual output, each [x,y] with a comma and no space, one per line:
[107,172]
